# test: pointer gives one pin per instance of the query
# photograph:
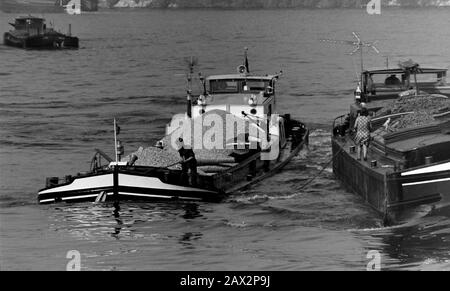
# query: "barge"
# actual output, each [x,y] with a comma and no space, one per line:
[408,159]
[265,145]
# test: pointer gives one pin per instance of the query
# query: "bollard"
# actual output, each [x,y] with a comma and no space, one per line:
[373,163]
[133,160]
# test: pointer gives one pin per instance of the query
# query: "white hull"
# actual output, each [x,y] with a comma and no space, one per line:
[126,187]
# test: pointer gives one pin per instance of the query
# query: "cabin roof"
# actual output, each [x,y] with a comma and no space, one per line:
[30,18]
[241,76]
[401,71]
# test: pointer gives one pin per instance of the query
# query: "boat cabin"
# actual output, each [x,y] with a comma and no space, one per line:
[388,83]
[31,25]
[237,93]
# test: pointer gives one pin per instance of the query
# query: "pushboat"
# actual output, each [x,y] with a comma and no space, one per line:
[243,96]
[32,33]
[408,162]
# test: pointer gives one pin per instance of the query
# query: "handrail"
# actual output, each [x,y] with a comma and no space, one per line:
[391,115]
[96,162]
[339,117]
[104,155]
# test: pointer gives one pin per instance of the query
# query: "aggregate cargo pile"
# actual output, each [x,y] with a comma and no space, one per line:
[209,148]
[426,110]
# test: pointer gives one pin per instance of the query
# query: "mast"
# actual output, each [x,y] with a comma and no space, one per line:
[192,61]
[115,140]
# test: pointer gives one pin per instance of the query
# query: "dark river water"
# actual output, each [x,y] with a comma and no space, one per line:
[57,106]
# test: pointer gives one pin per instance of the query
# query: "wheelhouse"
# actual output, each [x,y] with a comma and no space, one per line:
[378,82]
[251,94]
[32,25]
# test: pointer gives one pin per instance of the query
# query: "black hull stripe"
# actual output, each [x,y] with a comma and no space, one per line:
[126,196]
[140,193]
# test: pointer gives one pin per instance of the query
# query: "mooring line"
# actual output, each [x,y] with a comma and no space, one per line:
[321,170]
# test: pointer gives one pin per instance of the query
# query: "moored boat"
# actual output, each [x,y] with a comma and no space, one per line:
[264,145]
[32,33]
[408,160]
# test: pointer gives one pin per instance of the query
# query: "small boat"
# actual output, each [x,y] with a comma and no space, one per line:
[408,160]
[32,33]
[267,144]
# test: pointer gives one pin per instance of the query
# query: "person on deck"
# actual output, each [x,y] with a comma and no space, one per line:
[362,127]
[188,164]
[392,80]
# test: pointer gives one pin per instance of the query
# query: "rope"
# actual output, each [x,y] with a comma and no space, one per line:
[321,170]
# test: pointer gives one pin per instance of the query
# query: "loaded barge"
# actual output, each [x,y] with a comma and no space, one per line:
[267,142]
[408,160]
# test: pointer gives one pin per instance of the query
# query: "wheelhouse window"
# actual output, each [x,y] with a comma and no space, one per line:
[381,80]
[240,86]
[427,78]
[28,22]
[224,86]
[402,80]
[254,85]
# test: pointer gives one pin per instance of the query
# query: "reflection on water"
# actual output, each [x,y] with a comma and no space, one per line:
[191,211]
[421,244]
[116,214]
[188,239]
[121,220]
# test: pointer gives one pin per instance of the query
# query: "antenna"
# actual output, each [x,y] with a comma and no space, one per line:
[358,45]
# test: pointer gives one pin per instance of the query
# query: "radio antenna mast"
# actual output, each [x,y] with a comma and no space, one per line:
[358,46]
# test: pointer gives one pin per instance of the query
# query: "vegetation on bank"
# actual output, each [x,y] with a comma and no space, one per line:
[267,3]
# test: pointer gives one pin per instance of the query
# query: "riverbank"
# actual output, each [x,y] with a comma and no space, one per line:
[269,4]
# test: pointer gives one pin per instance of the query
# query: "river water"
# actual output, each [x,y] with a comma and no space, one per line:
[56,107]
